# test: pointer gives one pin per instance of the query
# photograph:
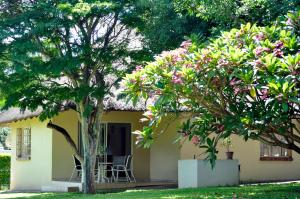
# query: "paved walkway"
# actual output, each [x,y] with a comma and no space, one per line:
[7,194]
[262,183]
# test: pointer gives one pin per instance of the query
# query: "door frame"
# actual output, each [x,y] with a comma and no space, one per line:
[106,136]
[106,124]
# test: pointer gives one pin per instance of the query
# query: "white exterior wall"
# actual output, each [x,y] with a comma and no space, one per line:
[164,153]
[32,174]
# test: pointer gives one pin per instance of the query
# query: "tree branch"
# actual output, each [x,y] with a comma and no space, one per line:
[68,138]
[109,31]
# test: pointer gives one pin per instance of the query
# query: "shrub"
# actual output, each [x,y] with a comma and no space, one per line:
[4,169]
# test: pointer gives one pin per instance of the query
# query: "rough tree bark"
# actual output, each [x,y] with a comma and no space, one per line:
[90,131]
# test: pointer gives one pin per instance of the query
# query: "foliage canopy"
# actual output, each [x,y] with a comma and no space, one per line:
[226,14]
[245,82]
[67,54]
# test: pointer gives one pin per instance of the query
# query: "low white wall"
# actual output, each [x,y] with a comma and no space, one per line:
[199,173]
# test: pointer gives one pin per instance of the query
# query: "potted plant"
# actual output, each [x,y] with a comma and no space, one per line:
[228,143]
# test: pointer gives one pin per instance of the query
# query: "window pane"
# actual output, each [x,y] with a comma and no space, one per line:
[27,143]
[19,143]
[276,151]
[265,150]
[23,149]
[284,152]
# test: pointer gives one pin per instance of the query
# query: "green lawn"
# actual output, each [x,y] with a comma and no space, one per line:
[255,191]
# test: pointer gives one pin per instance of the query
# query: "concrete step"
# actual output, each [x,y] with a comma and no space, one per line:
[57,186]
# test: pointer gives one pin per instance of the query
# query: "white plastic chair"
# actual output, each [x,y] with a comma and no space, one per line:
[77,168]
[126,168]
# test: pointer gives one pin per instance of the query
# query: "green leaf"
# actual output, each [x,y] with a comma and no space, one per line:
[285,86]
[245,120]
[253,92]
[268,101]
[273,85]
[295,100]
[160,85]
[285,107]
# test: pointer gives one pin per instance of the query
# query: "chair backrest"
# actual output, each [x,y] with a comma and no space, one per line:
[77,163]
[119,160]
[128,162]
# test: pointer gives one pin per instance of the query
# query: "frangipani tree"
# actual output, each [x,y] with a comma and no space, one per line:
[245,82]
[67,54]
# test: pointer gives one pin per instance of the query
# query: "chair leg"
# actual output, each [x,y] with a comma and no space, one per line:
[132,175]
[79,174]
[98,176]
[117,179]
[73,172]
[111,178]
[127,176]
[113,175]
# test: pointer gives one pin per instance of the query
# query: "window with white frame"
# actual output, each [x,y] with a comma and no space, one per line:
[23,148]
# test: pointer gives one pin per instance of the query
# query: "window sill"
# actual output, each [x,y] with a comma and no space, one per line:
[23,159]
[276,158]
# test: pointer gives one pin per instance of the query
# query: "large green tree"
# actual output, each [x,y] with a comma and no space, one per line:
[226,14]
[67,54]
[245,82]
[164,28]
[166,23]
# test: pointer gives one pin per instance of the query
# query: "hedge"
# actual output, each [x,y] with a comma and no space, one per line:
[4,169]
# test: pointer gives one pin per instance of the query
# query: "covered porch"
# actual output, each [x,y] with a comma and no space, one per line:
[51,163]
[116,140]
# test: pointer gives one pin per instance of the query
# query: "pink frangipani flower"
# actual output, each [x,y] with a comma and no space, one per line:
[289,22]
[195,139]
[259,50]
[264,94]
[278,52]
[279,44]
[234,82]
[177,78]
[186,44]
[149,114]
[259,37]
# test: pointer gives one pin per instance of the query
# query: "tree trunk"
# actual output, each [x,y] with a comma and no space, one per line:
[88,173]
[90,132]
[89,157]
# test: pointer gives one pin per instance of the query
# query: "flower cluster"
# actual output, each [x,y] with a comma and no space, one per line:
[259,50]
[278,49]
[259,37]
[173,56]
